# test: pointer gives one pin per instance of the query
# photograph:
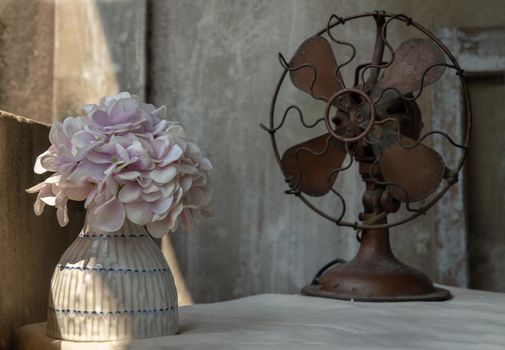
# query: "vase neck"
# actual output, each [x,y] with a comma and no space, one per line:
[128,229]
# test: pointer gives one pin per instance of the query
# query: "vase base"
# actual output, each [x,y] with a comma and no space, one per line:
[111,328]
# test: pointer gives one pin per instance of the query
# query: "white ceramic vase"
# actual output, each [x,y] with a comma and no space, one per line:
[112,286]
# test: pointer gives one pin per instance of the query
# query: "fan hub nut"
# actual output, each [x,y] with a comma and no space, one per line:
[354,108]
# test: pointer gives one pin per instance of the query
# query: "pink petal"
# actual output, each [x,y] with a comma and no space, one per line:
[62,215]
[72,125]
[121,152]
[193,151]
[159,146]
[158,228]
[38,207]
[160,112]
[205,165]
[138,212]
[86,171]
[200,179]
[36,188]
[163,175]
[176,130]
[151,197]
[100,197]
[150,188]
[49,200]
[100,117]
[169,189]
[144,181]
[88,108]
[185,168]
[108,217]
[53,179]
[56,135]
[83,138]
[173,217]
[61,199]
[186,182]
[129,175]
[135,148]
[79,193]
[123,109]
[49,162]
[159,127]
[111,185]
[174,153]
[178,194]
[90,198]
[129,193]
[162,205]
[99,158]
[45,196]
[38,168]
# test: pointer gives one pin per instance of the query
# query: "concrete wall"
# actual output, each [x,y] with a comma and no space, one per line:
[56,55]
[214,64]
[99,50]
[26,57]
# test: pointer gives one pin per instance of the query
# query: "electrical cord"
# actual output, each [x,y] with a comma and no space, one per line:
[315,280]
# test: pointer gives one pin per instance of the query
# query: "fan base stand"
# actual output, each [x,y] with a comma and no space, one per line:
[375,275]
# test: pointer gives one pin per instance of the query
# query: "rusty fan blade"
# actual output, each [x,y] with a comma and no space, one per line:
[413,59]
[416,171]
[309,165]
[314,69]
[406,113]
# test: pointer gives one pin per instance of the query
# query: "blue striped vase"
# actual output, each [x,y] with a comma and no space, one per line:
[113,286]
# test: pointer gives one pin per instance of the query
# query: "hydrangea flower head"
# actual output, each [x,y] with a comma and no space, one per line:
[127,162]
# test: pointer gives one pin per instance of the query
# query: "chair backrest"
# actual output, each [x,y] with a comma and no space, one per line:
[30,246]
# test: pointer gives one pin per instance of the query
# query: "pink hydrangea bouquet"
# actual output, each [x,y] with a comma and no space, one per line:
[127,163]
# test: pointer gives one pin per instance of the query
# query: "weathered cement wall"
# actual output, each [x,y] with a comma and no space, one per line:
[99,50]
[26,57]
[214,65]
[30,246]
[56,55]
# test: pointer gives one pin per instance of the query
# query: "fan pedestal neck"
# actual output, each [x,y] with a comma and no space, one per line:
[375,274]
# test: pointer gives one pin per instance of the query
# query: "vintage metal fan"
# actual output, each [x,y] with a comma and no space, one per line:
[377,123]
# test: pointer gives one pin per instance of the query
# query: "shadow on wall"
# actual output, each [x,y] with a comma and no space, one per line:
[123,29]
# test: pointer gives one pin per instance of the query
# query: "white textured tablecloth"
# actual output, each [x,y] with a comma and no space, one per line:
[472,320]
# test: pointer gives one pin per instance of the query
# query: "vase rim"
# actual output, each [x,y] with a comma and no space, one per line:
[128,229]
